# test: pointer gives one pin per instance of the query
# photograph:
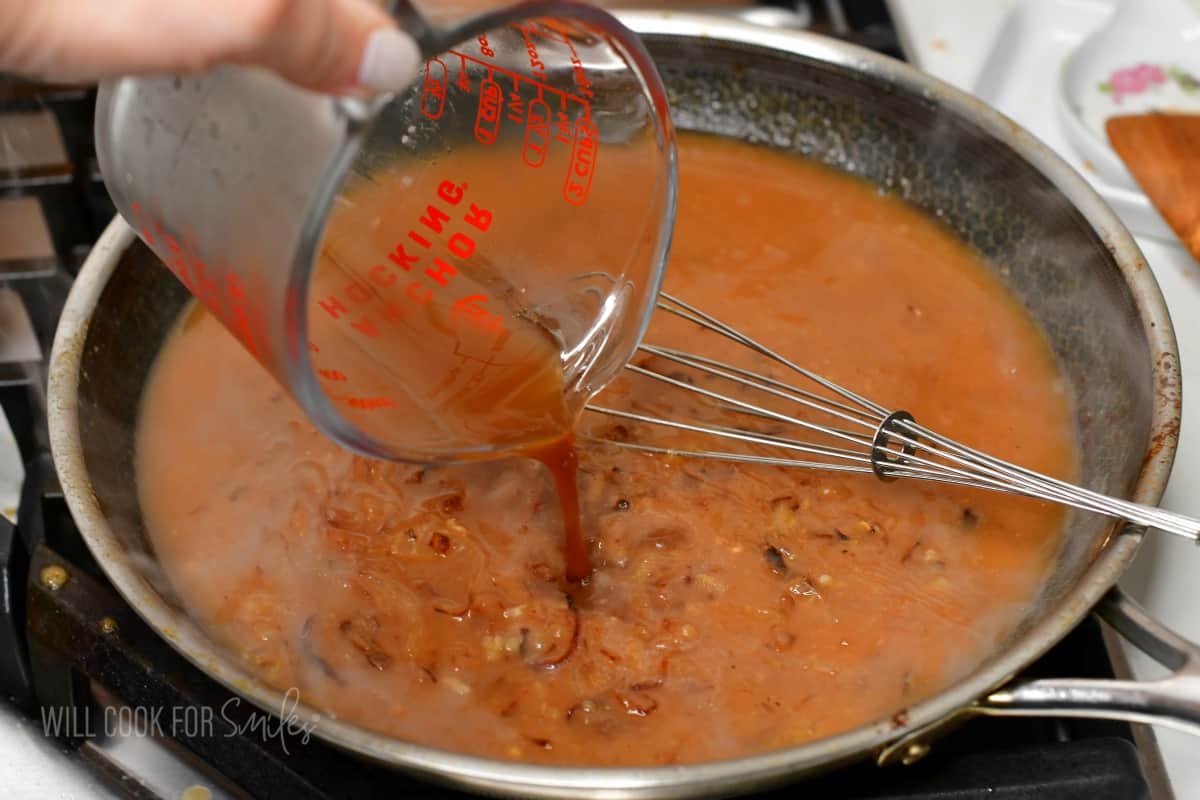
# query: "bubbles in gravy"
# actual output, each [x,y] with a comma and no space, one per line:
[732,609]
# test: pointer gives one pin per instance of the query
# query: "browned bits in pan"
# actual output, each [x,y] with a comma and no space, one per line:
[361,632]
[306,649]
[440,543]
[552,635]
[378,659]
[775,560]
[785,501]
[638,704]
[617,433]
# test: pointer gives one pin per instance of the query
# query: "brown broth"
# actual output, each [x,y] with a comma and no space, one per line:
[732,609]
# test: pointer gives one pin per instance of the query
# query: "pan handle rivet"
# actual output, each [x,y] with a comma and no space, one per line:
[108,625]
[54,577]
[914,753]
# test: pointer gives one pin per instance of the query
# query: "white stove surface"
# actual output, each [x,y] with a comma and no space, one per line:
[953,40]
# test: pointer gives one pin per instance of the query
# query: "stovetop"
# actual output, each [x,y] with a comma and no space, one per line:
[99,705]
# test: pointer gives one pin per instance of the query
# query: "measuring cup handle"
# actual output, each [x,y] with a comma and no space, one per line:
[414,23]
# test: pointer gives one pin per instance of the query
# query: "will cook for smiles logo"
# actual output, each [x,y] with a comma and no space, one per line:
[232,719]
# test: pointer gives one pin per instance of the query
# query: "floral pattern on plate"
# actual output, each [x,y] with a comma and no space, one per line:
[1146,77]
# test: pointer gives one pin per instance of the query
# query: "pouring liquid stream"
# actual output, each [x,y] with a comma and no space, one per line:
[561,459]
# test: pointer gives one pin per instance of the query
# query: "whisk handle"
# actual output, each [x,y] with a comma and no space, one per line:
[1157,518]
[1046,488]
[932,456]
[1042,487]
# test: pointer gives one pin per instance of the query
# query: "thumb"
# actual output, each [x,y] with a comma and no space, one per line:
[329,45]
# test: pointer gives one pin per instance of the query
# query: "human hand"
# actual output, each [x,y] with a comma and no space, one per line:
[324,45]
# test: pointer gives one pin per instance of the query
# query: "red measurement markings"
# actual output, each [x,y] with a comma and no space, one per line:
[487,118]
[565,97]
[583,162]
[244,318]
[562,128]
[433,93]
[421,263]
[434,223]
[537,133]
[535,63]
[561,32]
[368,403]
[463,82]
[541,122]
[220,289]
[515,105]
[473,309]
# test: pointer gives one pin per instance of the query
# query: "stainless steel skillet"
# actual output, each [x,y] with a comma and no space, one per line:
[1053,241]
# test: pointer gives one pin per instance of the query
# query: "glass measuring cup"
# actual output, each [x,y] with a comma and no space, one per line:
[441,274]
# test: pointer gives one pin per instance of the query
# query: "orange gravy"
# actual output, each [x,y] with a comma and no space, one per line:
[732,609]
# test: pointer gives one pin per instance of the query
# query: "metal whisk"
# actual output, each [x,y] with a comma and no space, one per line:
[862,435]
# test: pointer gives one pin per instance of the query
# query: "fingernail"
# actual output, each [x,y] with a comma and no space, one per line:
[390,62]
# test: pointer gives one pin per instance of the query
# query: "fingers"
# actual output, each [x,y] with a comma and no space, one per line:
[390,62]
[326,45]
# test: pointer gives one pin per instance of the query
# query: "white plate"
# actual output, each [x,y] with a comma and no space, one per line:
[1145,58]
[1019,77]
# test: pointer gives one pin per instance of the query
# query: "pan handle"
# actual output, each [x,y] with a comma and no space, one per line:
[1173,701]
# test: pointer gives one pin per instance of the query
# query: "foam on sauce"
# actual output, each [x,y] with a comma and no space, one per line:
[732,609]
